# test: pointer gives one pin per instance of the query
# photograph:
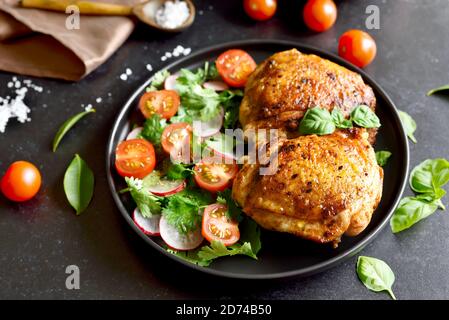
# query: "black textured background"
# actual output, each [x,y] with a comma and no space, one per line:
[40,238]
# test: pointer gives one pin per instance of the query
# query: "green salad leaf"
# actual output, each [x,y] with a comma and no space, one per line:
[147,202]
[439,89]
[234,212]
[157,81]
[153,128]
[250,232]
[365,117]
[67,125]
[79,184]
[191,256]
[375,274]
[183,209]
[217,249]
[409,125]
[382,157]
[178,171]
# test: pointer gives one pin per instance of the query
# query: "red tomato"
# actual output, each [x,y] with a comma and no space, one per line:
[358,47]
[21,181]
[213,174]
[135,158]
[260,9]
[164,102]
[175,141]
[218,227]
[235,66]
[320,15]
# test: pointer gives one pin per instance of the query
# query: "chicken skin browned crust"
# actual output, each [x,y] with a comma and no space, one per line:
[324,187]
[284,86]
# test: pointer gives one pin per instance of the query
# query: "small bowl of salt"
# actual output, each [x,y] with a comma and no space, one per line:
[166,15]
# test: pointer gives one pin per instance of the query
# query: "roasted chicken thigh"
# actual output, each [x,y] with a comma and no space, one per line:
[324,187]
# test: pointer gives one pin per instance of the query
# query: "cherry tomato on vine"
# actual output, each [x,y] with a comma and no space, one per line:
[358,47]
[21,181]
[260,9]
[320,15]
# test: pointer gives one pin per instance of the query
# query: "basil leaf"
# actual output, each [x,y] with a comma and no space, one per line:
[79,184]
[364,117]
[375,274]
[410,211]
[439,89]
[409,125]
[339,119]
[382,157]
[317,121]
[429,175]
[67,125]
[434,197]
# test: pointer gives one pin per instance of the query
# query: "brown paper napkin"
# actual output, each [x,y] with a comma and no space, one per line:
[37,42]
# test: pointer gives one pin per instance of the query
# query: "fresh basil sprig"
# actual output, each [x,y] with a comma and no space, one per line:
[79,184]
[320,121]
[317,121]
[439,89]
[426,179]
[67,125]
[409,125]
[375,274]
[382,157]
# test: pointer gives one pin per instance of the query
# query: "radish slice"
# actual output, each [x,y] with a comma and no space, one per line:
[205,129]
[165,187]
[149,226]
[179,241]
[221,145]
[170,82]
[216,85]
[134,133]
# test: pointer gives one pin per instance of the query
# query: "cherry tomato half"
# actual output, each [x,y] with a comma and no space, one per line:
[320,15]
[164,102]
[260,9]
[175,141]
[217,226]
[135,158]
[21,181]
[358,47]
[235,66]
[213,174]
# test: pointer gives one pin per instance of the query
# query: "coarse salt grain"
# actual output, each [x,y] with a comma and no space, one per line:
[149,67]
[98,100]
[171,14]
[123,77]
[128,71]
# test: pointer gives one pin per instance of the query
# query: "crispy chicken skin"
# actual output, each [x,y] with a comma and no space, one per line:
[284,86]
[324,187]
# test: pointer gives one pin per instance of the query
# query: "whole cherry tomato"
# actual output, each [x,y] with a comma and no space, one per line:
[260,9]
[320,15]
[358,47]
[21,181]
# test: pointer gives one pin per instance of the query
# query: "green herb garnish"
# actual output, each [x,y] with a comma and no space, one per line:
[375,274]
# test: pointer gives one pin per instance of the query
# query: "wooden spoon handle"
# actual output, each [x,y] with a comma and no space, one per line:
[85,7]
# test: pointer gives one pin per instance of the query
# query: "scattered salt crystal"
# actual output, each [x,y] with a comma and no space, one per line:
[187,51]
[149,67]
[168,54]
[17,84]
[88,107]
[163,58]
[128,71]
[176,54]
[171,14]
[109,94]
[201,12]
[98,100]
[10,84]
[123,77]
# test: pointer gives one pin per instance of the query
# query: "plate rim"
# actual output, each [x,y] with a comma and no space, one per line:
[303,272]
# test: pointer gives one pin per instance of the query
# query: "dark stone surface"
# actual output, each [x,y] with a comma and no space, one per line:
[40,238]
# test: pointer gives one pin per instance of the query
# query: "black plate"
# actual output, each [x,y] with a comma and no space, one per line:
[282,255]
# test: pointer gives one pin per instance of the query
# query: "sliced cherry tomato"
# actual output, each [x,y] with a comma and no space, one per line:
[217,226]
[235,66]
[215,173]
[135,158]
[175,141]
[260,9]
[164,102]
[358,47]
[320,15]
[21,181]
